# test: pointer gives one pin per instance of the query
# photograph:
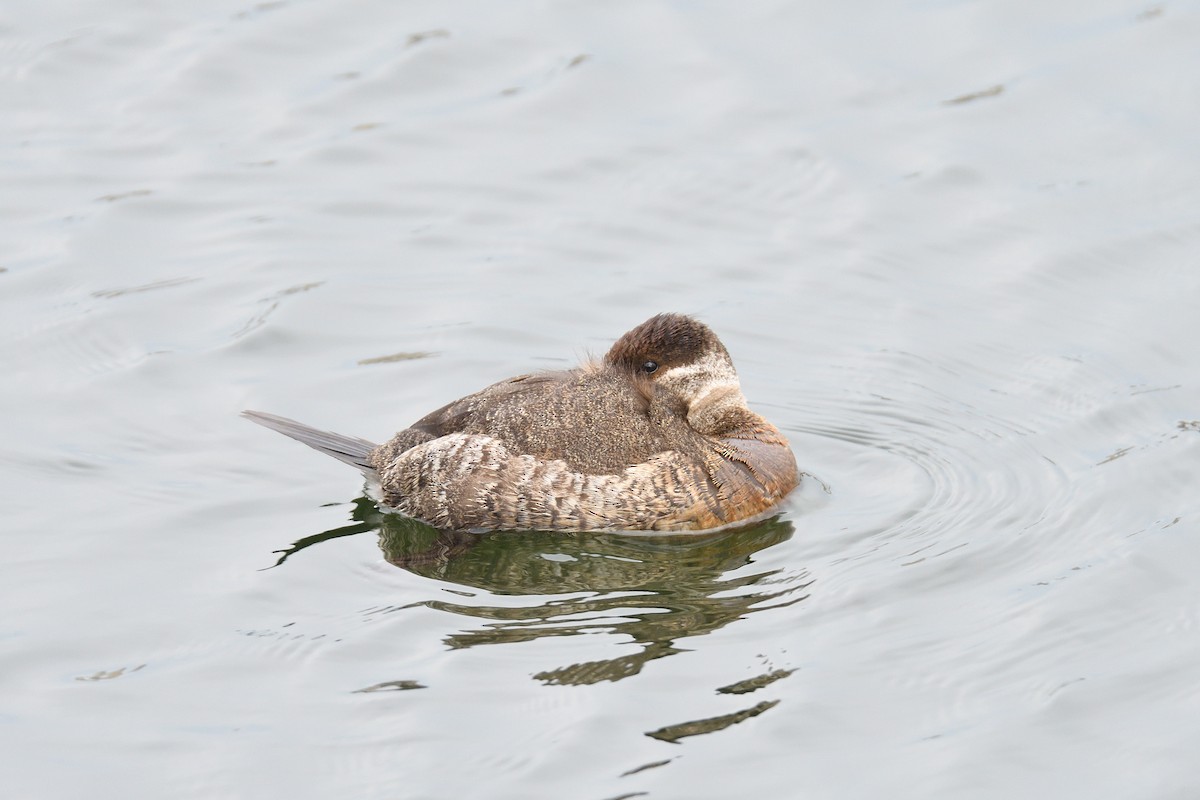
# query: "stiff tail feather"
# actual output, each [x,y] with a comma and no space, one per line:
[347,449]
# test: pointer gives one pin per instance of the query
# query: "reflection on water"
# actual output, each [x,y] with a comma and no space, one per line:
[673,733]
[653,589]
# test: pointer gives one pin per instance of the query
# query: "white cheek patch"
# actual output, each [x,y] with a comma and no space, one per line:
[693,381]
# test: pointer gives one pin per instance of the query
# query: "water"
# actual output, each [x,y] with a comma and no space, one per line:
[951,247]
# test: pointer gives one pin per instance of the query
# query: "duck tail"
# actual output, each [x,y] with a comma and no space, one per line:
[347,449]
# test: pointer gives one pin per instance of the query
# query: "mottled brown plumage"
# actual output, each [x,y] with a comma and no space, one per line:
[656,436]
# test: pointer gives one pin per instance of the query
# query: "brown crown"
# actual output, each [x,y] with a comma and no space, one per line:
[668,339]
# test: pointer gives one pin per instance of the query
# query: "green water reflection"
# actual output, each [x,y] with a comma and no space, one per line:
[656,590]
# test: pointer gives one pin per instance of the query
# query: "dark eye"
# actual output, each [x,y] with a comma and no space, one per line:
[649,366]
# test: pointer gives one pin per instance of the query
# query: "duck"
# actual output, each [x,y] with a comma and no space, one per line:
[655,436]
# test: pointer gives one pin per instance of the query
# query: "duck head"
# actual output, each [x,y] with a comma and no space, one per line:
[678,361]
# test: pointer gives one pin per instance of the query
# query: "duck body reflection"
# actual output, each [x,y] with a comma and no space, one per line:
[655,590]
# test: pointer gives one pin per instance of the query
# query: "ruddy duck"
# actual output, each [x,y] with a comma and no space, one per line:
[656,436]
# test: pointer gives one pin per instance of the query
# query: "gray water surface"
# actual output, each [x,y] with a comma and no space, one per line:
[951,246]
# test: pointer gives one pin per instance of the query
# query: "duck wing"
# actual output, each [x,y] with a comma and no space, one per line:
[589,418]
[471,412]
